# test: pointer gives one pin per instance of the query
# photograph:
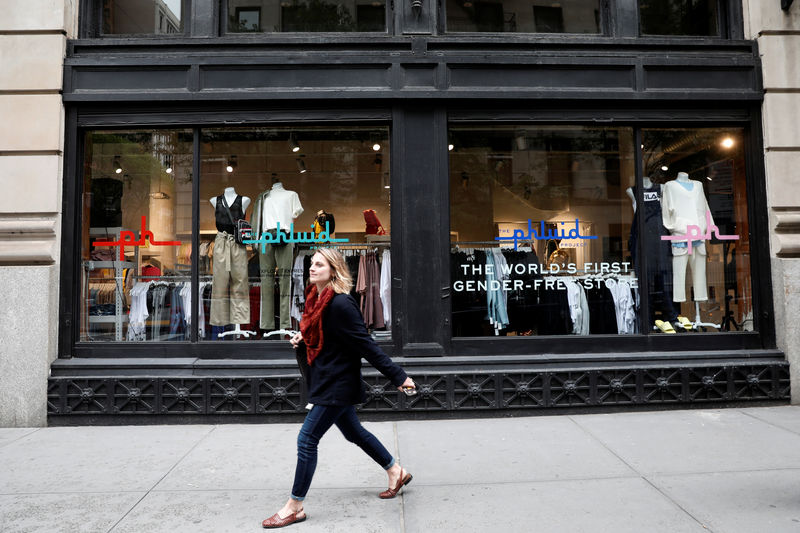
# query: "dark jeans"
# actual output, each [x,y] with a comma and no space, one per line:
[317,422]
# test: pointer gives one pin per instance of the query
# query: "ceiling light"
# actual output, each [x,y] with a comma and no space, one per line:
[293,144]
[301,166]
[169,170]
[665,168]
[727,142]
[386,187]
[450,147]
[376,147]
[117,166]
[232,163]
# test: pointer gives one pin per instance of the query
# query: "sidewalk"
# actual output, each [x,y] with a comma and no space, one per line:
[725,471]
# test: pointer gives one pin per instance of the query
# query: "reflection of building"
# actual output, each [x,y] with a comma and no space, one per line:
[417,84]
[141,17]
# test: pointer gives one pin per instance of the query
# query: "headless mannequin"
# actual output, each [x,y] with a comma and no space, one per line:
[685,204]
[276,206]
[230,195]
[659,271]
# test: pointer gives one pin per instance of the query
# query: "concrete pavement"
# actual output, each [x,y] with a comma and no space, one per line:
[724,471]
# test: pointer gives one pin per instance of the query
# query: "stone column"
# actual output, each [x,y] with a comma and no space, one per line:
[33,38]
[778,35]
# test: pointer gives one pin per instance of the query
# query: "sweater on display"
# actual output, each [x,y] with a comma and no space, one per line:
[681,207]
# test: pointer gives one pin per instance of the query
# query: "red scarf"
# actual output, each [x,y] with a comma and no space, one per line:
[311,324]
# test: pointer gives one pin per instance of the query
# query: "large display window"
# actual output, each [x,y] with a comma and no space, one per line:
[553,234]
[679,17]
[276,16]
[299,188]
[142,17]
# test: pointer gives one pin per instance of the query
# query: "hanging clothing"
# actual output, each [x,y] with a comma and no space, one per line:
[623,306]
[495,300]
[298,289]
[177,315]
[368,285]
[137,315]
[386,287]
[578,307]
[602,311]
[159,295]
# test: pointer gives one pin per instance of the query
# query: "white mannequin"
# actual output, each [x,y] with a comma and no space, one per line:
[230,197]
[647,184]
[685,204]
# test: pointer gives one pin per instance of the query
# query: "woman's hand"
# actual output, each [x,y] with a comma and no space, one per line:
[407,384]
[296,340]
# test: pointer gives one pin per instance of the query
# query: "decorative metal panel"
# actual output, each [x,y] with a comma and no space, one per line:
[381,395]
[476,391]
[708,384]
[280,395]
[663,385]
[134,396]
[432,394]
[86,396]
[183,396]
[617,387]
[437,392]
[568,389]
[231,395]
[522,390]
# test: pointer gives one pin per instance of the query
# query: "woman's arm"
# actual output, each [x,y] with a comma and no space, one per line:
[351,330]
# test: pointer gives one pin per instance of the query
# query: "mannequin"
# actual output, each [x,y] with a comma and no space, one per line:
[684,203]
[230,297]
[273,208]
[659,257]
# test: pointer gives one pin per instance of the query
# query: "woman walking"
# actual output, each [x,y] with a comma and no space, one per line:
[333,331]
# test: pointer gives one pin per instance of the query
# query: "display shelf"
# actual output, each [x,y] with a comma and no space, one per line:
[119,317]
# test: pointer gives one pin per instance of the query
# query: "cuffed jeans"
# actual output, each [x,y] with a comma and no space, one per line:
[317,422]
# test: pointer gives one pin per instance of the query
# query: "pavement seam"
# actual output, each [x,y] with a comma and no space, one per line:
[36,430]
[640,474]
[135,505]
[773,424]
[402,493]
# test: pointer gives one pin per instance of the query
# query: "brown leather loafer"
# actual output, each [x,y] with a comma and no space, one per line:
[405,479]
[275,521]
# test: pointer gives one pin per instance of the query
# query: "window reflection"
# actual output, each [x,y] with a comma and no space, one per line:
[142,17]
[539,233]
[255,16]
[524,16]
[678,17]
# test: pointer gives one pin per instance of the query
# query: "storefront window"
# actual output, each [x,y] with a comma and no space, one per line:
[259,16]
[132,17]
[524,16]
[696,230]
[678,17]
[136,240]
[307,187]
[539,231]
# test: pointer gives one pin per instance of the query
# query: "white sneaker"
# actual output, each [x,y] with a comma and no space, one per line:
[309,406]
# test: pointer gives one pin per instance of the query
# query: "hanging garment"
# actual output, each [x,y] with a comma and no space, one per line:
[578,307]
[468,307]
[602,311]
[623,306]
[137,316]
[298,288]
[495,300]
[386,287]
[159,294]
[177,315]
[368,286]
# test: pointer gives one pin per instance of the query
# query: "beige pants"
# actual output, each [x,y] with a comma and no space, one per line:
[230,294]
[697,263]
[276,258]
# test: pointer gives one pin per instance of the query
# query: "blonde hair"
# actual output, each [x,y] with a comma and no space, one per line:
[341,280]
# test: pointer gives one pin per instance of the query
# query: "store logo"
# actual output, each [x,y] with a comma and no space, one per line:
[693,233]
[128,238]
[292,237]
[542,233]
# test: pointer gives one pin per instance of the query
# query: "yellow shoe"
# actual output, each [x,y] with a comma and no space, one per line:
[666,327]
[686,323]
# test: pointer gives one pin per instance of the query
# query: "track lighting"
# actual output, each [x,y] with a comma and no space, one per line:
[232,163]
[301,166]
[117,166]
[293,144]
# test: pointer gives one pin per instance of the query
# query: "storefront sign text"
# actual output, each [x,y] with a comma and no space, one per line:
[597,275]
[693,233]
[542,233]
[128,238]
[292,237]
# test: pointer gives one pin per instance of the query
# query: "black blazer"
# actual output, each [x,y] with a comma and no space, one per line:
[335,374]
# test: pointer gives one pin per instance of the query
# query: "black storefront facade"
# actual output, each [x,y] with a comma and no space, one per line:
[435,102]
